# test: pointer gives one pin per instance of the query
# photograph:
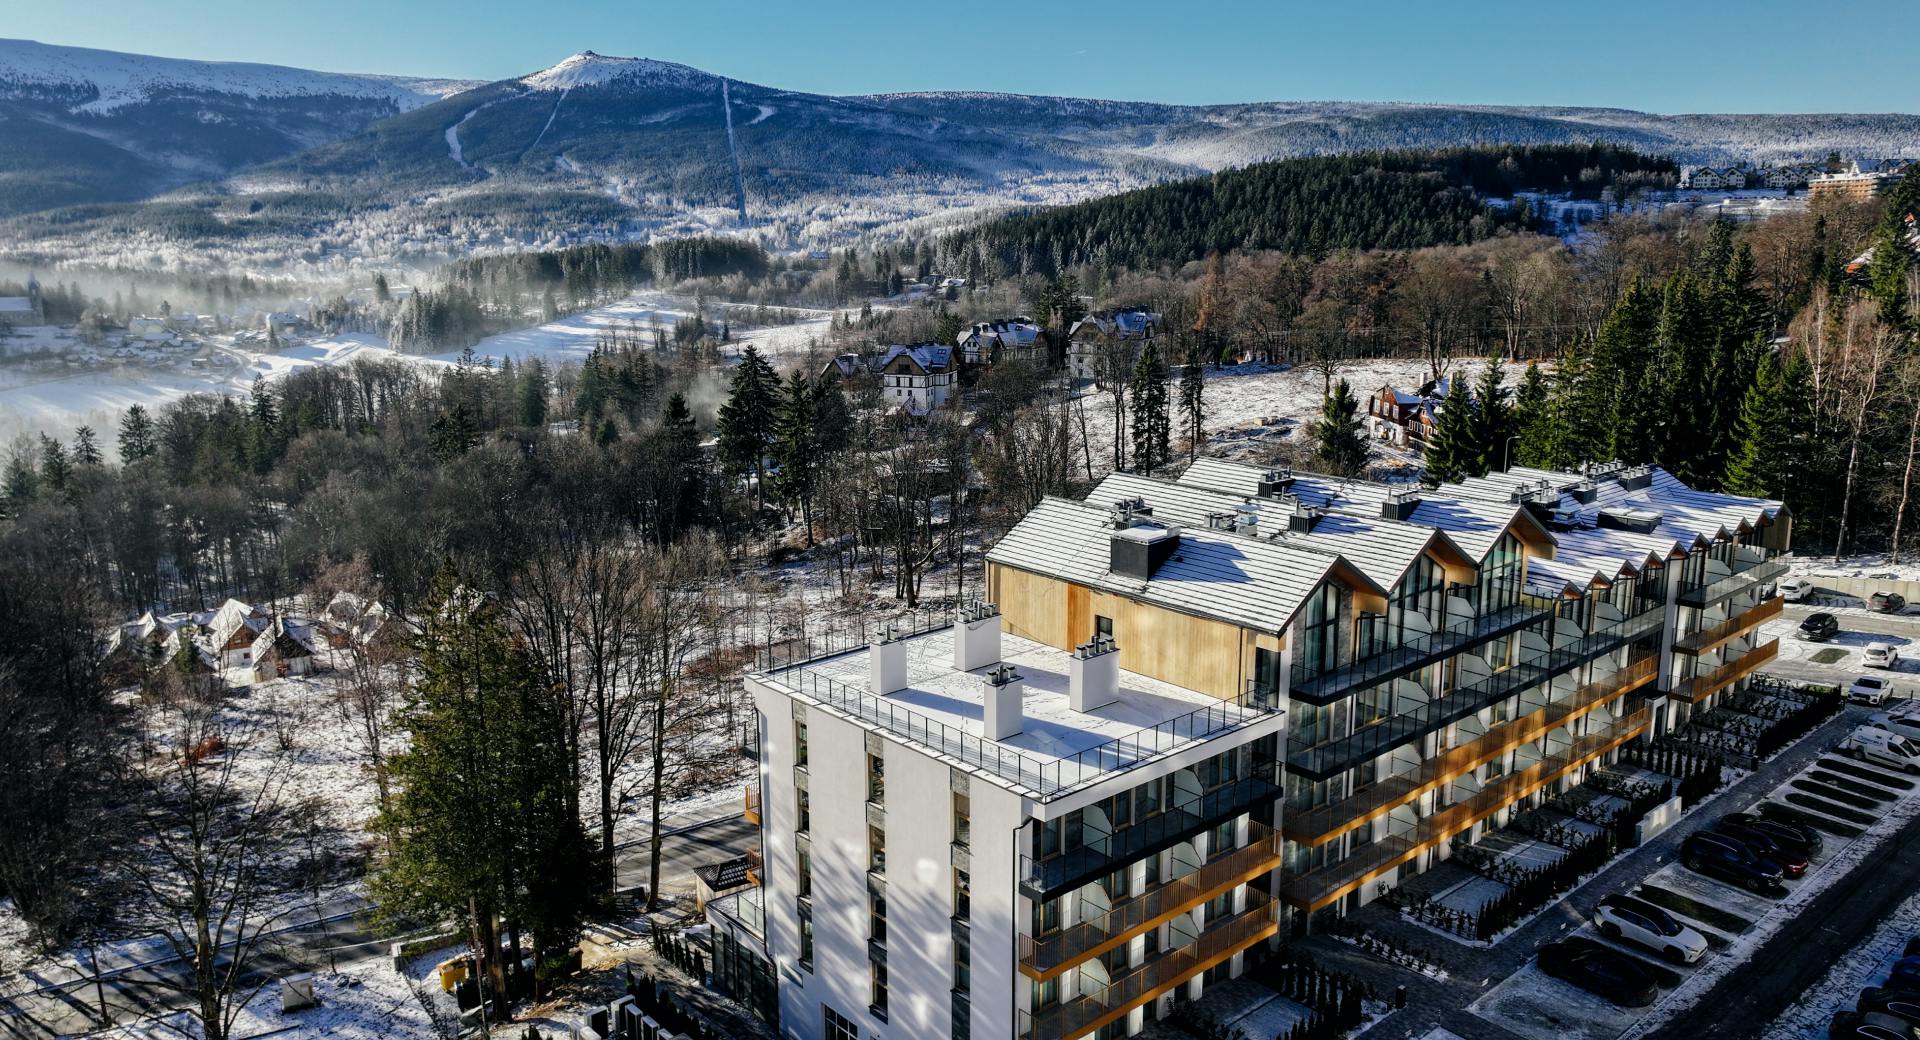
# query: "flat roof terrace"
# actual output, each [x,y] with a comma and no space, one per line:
[1058,749]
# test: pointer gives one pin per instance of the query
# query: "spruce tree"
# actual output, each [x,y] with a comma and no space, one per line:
[1610,409]
[746,421]
[796,447]
[1339,441]
[1452,452]
[55,468]
[1193,403]
[137,439]
[1535,422]
[1759,463]
[264,442]
[1152,425]
[86,447]
[1492,419]
[533,388]
[1674,426]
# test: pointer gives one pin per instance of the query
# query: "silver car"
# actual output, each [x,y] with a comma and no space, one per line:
[1644,924]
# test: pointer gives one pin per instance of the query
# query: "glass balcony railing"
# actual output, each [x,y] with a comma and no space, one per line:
[1324,823]
[1499,608]
[1728,673]
[1745,573]
[1708,638]
[1103,1004]
[1321,886]
[1047,956]
[1048,877]
[1324,760]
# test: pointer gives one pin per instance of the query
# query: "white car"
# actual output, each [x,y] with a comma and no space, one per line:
[1796,590]
[1880,655]
[1640,922]
[1903,723]
[1869,690]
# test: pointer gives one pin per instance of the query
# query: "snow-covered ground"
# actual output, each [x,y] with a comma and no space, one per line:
[572,338]
[1867,965]
[372,1002]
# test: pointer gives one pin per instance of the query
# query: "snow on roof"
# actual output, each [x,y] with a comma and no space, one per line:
[228,619]
[1212,574]
[587,69]
[931,357]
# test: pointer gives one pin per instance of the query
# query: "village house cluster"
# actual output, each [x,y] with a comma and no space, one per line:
[1858,179]
[1198,715]
[258,643]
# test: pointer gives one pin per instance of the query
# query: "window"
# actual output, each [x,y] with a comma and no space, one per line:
[962,963]
[1102,626]
[877,972]
[804,805]
[1046,916]
[1045,995]
[799,744]
[876,780]
[962,894]
[1500,575]
[804,881]
[962,819]
[1319,650]
[1223,839]
[877,914]
[876,849]
[1422,592]
[1266,672]
[838,1026]
[806,939]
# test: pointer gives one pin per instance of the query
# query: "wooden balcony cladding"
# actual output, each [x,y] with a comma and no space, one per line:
[1319,888]
[1704,685]
[1323,824]
[1710,639]
[1047,957]
[755,867]
[1162,972]
[750,811]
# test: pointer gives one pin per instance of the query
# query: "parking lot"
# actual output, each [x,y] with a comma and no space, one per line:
[1839,659]
[1852,804]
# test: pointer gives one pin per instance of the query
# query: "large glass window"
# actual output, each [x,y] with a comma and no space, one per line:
[876,780]
[962,819]
[1422,592]
[1318,645]
[876,849]
[1500,575]
[838,1026]
[799,743]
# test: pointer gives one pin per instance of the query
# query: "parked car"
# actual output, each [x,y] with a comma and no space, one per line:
[1898,1003]
[1884,747]
[1852,1025]
[1792,834]
[1599,970]
[1792,864]
[1717,855]
[1868,690]
[1880,655]
[1887,602]
[1818,628]
[1796,590]
[1903,723]
[1640,922]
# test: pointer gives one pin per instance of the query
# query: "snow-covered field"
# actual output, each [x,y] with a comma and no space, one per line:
[572,338]
[372,1002]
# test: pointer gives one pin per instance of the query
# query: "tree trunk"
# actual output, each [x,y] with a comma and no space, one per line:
[1906,480]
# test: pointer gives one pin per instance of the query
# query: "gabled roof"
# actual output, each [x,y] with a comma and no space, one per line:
[927,357]
[1240,581]
[230,618]
[284,640]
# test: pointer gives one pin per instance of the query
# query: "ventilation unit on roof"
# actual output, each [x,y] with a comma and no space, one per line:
[1564,519]
[1603,470]
[1304,517]
[1641,520]
[1398,505]
[1275,481]
[1584,492]
[1635,478]
[1246,517]
[1220,521]
[1138,551]
[1127,510]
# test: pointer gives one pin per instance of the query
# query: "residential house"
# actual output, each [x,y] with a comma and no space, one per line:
[24,311]
[986,342]
[283,648]
[917,379]
[1199,714]
[231,631]
[1406,418]
[1092,336]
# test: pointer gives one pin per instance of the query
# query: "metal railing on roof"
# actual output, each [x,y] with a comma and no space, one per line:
[1043,777]
[847,636]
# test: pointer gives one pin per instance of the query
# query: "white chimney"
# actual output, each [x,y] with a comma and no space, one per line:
[976,636]
[1094,674]
[887,664]
[1003,689]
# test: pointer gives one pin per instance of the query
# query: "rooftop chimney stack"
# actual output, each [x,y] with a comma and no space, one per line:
[1275,481]
[976,636]
[1246,517]
[1400,505]
[1003,716]
[887,664]
[1094,674]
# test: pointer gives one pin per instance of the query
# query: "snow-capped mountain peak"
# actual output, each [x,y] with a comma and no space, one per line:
[117,80]
[587,69]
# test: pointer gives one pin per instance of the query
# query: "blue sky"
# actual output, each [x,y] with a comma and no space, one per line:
[1753,56]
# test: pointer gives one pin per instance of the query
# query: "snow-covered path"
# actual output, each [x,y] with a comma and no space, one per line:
[454,151]
[551,116]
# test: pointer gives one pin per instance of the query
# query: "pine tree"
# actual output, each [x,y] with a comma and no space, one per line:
[382,294]
[1152,425]
[263,442]
[137,439]
[1535,422]
[680,443]
[1761,456]
[86,447]
[1492,420]
[1339,440]
[20,485]
[1193,403]
[796,447]
[1675,424]
[1608,405]
[1452,453]
[453,434]
[746,420]
[533,390]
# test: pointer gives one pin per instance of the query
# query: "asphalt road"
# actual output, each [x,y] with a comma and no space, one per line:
[71,1007]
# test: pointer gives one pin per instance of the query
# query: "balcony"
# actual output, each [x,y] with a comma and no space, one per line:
[1709,639]
[1314,889]
[1322,761]
[750,811]
[755,867]
[1089,1011]
[1411,654]
[1701,686]
[1047,957]
[1320,825]
[1744,574]
[1046,878]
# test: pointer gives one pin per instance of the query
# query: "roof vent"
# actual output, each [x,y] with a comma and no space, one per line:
[1127,510]
[1636,478]
[1584,492]
[1246,517]
[1304,516]
[1399,505]
[1139,550]
[1094,674]
[1565,519]
[976,636]
[1275,481]
[1002,714]
[1641,520]
[1220,521]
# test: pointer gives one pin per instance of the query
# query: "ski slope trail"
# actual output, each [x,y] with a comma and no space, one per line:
[454,151]
[733,149]
[551,116]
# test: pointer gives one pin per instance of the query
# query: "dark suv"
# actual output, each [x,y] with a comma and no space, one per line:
[1887,602]
[1792,835]
[1818,628]
[1726,858]
[1770,849]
